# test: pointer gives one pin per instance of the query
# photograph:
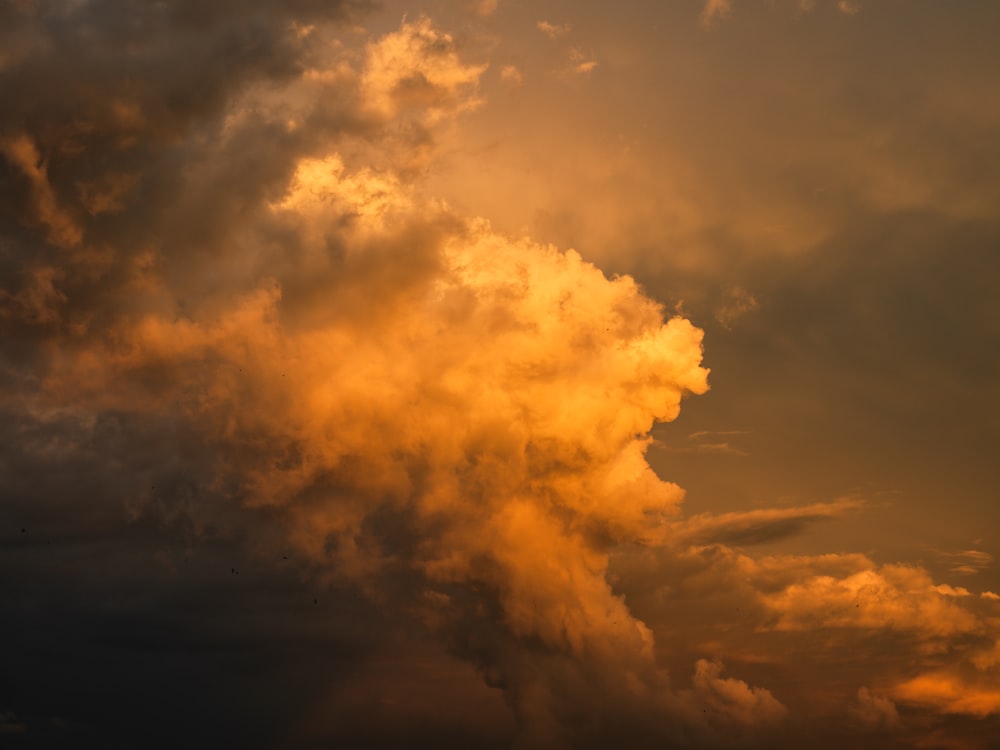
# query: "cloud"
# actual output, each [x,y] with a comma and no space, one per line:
[705,441]
[484,7]
[553,31]
[759,526]
[738,302]
[714,10]
[43,207]
[712,433]
[411,393]
[38,301]
[950,694]
[107,194]
[967,562]
[511,75]
[471,403]
[321,187]
[988,658]
[897,596]
[586,66]
[9,723]
[874,711]
[834,612]
[580,62]
[734,699]
[417,69]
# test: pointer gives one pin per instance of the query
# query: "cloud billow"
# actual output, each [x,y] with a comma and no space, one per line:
[409,390]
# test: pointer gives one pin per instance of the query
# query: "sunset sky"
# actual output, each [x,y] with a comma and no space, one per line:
[500,374]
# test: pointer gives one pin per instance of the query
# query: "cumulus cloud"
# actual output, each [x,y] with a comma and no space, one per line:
[734,699]
[874,711]
[413,393]
[493,400]
[417,69]
[837,608]
[898,596]
[950,693]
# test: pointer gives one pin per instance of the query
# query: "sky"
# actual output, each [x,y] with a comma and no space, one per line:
[499,374]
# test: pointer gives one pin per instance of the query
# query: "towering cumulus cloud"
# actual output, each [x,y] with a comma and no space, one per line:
[415,396]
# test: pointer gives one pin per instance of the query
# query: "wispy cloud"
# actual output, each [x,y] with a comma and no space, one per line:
[708,442]
[484,7]
[966,562]
[737,302]
[511,75]
[760,526]
[581,62]
[553,31]
[714,10]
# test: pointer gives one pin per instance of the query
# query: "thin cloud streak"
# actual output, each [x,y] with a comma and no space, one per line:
[759,526]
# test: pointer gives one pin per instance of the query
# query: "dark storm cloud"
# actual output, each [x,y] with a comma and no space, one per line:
[120,610]
[122,607]
[107,70]
[107,108]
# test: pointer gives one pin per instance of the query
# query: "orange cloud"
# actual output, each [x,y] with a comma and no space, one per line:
[20,150]
[896,596]
[950,694]
[738,303]
[418,69]
[874,711]
[39,300]
[484,7]
[553,31]
[755,526]
[511,75]
[734,700]
[967,562]
[494,394]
